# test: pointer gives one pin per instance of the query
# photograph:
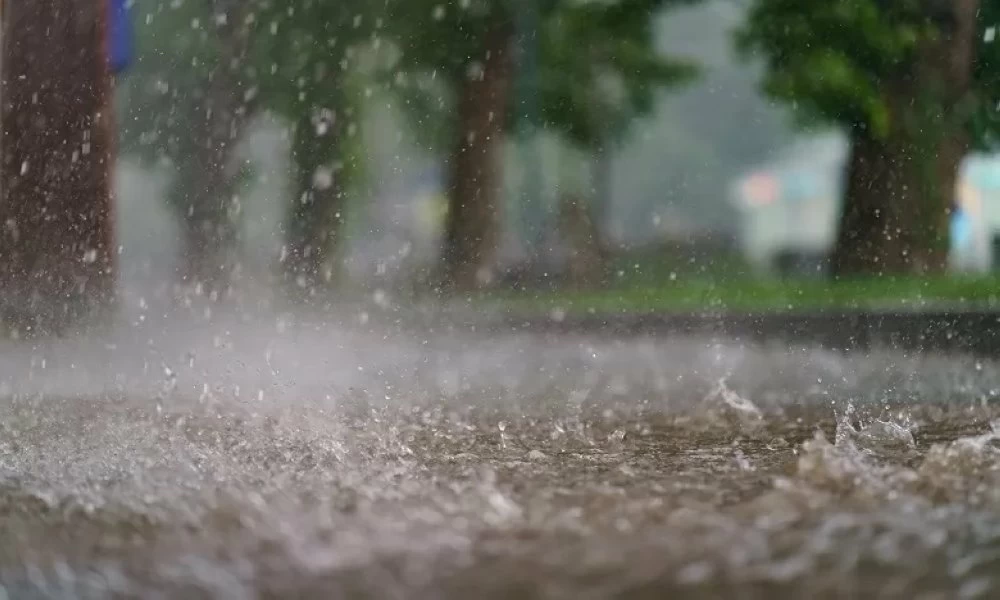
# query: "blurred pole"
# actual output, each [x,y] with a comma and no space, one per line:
[57,257]
[531,206]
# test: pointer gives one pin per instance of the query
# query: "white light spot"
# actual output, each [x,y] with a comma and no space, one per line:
[323,178]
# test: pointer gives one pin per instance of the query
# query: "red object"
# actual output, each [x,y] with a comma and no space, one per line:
[761,189]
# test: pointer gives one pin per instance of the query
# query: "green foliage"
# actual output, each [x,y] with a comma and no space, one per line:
[161,92]
[296,65]
[598,69]
[831,60]
[303,51]
[985,121]
[834,62]
[741,293]
[306,62]
[441,36]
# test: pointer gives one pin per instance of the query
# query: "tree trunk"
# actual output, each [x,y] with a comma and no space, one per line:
[473,220]
[602,175]
[901,188]
[57,248]
[586,261]
[209,181]
[210,234]
[208,184]
[871,237]
[316,216]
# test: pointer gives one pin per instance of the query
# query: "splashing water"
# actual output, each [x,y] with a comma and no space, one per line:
[366,462]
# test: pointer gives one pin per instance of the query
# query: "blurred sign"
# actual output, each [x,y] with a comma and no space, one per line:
[986,175]
[761,189]
[119,43]
[799,185]
[969,199]
[961,229]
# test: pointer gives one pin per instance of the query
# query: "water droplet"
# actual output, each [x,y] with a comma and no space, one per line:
[537,455]
[323,178]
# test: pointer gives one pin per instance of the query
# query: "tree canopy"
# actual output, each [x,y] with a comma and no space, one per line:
[835,62]
[597,70]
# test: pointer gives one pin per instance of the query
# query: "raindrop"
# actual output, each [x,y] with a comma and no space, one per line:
[537,455]
[323,178]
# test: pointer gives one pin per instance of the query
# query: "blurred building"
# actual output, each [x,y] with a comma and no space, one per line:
[790,207]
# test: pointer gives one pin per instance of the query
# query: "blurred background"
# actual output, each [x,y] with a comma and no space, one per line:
[656,154]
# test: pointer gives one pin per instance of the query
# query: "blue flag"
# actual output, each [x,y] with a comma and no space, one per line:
[120,49]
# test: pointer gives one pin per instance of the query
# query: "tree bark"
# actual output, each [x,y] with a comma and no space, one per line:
[473,220]
[586,263]
[57,245]
[602,174]
[900,189]
[316,215]
[207,182]
[873,236]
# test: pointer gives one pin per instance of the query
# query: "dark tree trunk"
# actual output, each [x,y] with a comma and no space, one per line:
[208,183]
[316,215]
[57,248]
[210,235]
[602,173]
[900,188]
[586,265]
[874,235]
[473,221]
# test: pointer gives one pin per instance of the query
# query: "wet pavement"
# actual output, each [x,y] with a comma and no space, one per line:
[269,457]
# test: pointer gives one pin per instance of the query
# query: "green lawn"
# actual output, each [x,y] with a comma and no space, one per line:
[692,293]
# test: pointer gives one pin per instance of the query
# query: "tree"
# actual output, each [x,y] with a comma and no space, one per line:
[470,45]
[57,249]
[304,69]
[209,67]
[593,97]
[189,103]
[904,80]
